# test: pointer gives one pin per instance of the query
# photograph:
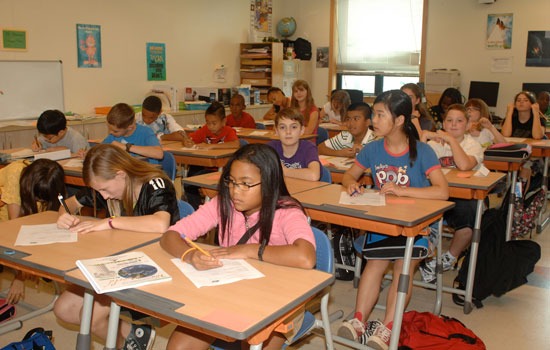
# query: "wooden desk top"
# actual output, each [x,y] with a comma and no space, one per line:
[210,181]
[237,310]
[264,136]
[400,216]
[54,259]
[200,157]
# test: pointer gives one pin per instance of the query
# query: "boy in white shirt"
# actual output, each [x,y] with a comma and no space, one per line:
[349,143]
[163,125]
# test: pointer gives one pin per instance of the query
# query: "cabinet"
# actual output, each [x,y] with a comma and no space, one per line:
[261,66]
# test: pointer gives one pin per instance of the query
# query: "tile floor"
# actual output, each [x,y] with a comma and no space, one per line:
[519,319]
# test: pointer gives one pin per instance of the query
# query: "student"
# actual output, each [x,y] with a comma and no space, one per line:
[162,124]
[256,219]
[448,97]
[398,150]
[457,149]
[334,110]
[212,135]
[543,99]
[349,143]
[238,117]
[481,128]
[53,129]
[138,197]
[523,118]
[127,135]
[277,97]
[421,117]
[28,188]
[302,100]
[300,158]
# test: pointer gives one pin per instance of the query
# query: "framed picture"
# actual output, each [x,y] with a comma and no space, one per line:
[88,42]
[13,39]
[322,57]
[538,49]
[499,31]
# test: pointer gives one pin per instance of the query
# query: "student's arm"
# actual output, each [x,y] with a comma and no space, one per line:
[463,161]
[179,135]
[438,190]
[14,211]
[506,129]
[157,222]
[311,173]
[345,152]
[154,152]
[270,114]
[313,122]
[351,178]
[416,123]
[36,145]
[486,123]
[538,129]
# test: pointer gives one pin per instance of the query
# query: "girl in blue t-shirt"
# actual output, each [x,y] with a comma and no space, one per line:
[403,166]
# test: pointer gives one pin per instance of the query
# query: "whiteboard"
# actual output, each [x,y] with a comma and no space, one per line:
[28,88]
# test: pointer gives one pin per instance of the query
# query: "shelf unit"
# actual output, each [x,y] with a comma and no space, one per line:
[261,66]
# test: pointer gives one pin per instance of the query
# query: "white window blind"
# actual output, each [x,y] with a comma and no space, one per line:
[379,36]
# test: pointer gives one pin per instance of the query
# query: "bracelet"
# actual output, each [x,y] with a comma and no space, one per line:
[128,146]
[110,221]
[185,253]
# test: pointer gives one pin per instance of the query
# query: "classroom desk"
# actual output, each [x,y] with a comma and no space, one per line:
[396,218]
[235,311]
[209,183]
[211,158]
[73,172]
[338,166]
[264,136]
[54,260]
[333,129]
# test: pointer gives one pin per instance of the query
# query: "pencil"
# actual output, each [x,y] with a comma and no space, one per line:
[194,245]
[62,201]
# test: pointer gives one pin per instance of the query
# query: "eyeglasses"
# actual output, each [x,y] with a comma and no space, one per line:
[241,186]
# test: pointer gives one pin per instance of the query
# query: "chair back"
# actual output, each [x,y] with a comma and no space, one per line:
[324,253]
[243,142]
[185,208]
[168,164]
[322,135]
[260,126]
[325,175]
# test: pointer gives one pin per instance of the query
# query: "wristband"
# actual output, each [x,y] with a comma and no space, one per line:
[185,253]
[110,221]
[128,146]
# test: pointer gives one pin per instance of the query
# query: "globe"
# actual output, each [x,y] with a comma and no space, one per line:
[286,27]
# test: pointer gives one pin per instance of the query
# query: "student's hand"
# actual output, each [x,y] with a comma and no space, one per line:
[355,189]
[201,261]
[17,290]
[510,108]
[350,152]
[36,145]
[536,109]
[67,221]
[187,142]
[393,188]
[430,135]
[120,145]
[205,145]
[81,153]
[90,226]
[486,123]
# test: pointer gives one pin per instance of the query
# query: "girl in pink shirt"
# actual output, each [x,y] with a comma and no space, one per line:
[256,219]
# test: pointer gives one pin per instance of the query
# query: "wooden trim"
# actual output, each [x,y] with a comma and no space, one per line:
[332,47]
[422,68]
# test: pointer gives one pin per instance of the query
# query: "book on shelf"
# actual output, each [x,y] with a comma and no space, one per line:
[123,271]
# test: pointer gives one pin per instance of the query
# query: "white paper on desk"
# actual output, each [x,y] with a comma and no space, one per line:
[74,163]
[445,170]
[366,198]
[24,153]
[259,132]
[233,270]
[482,171]
[44,234]
[339,162]
[194,126]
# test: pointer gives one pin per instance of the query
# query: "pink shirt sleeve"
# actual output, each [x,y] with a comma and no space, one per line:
[200,222]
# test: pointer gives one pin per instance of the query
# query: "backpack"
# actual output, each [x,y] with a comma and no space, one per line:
[36,338]
[501,266]
[302,48]
[344,253]
[509,150]
[424,330]
[526,211]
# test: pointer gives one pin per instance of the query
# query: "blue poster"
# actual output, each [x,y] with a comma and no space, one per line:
[88,42]
[156,61]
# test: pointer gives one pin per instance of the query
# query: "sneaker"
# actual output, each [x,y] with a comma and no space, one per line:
[351,329]
[140,338]
[380,340]
[427,268]
[369,331]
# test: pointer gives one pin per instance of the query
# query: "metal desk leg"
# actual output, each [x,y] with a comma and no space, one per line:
[474,246]
[84,338]
[439,270]
[510,216]
[112,330]
[402,289]
[542,222]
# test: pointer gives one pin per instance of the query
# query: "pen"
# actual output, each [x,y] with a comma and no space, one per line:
[356,191]
[62,201]
[194,245]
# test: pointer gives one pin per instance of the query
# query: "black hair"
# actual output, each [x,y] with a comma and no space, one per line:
[274,193]
[399,103]
[274,89]
[152,104]
[453,94]
[51,122]
[217,109]
[361,107]
[42,181]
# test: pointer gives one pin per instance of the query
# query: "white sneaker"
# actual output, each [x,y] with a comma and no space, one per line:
[351,329]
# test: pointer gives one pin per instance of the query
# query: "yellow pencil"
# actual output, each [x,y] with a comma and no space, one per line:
[194,245]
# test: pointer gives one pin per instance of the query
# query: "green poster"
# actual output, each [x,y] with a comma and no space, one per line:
[14,39]
[156,61]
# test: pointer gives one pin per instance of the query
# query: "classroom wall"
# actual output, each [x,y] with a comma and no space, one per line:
[198,35]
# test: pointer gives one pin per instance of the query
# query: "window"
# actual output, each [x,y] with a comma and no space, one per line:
[379,43]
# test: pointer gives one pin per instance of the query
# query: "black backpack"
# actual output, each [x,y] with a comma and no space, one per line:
[501,266]
[302,48]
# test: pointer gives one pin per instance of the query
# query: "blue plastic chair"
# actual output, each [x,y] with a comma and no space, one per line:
[260,126]
[322,135]
[243,142]
[168,164]
[185,208]
[325,175]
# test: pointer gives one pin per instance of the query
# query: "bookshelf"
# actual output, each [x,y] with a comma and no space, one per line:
[261,66]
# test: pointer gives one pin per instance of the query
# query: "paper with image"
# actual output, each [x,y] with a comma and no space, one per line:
[366,198]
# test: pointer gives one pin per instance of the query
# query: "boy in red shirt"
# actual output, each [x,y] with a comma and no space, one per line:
[238,117]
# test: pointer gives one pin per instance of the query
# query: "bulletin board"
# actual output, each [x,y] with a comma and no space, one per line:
[27,88]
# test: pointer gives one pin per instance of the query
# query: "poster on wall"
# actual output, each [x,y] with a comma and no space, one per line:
[322,57]
[13,39]
[538,49]
[156,61]
[88,41]
[260,15]
[499,31]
